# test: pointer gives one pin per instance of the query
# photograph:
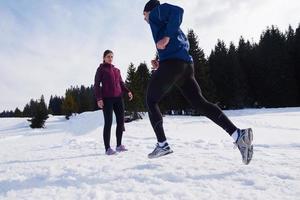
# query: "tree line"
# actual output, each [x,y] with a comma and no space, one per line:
[249,75]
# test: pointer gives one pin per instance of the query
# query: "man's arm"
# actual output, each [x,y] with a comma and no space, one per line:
[172,15]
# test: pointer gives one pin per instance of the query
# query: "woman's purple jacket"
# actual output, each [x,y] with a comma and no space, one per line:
[111,82]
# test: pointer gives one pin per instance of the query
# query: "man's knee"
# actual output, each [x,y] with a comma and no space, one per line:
[151,100]
[201,104]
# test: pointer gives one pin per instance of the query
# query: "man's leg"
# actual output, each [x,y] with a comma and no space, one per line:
[162,80]
[243,140]
[192,92]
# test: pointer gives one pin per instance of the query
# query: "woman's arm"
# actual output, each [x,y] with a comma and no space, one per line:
[97,87]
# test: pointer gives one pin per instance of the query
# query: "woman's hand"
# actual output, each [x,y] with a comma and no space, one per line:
[161,44]
[100,104]
[130,96]
[155,64]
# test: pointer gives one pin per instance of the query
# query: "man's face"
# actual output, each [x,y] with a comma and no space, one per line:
[146,16]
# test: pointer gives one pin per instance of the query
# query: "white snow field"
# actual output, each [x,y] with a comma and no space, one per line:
[66,160]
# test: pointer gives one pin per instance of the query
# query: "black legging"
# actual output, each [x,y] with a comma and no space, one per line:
[113,104]
[178,73]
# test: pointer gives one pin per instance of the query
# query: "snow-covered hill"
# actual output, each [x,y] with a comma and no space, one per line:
[66,160]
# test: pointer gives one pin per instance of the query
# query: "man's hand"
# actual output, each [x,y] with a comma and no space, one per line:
[100,104]
[161,44]
[130,96]
[155,64]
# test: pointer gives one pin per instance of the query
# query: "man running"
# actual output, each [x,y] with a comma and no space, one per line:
[175,68]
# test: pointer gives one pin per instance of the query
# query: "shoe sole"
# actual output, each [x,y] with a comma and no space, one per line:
[250,154]
[121,151]
[157,156]
[248,141]
[112,153]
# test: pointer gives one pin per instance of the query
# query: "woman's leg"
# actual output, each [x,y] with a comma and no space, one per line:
[118,107]
[107,112]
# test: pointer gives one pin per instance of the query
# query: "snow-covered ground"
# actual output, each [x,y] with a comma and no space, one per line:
[66,160]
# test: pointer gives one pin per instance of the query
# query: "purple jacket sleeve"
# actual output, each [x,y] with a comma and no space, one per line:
[97,87]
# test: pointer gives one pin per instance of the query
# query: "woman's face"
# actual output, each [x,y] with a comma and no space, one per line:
[109,58]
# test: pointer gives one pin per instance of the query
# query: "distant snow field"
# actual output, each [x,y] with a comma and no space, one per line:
[66,160]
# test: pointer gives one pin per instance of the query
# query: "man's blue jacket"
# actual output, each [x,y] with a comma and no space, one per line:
[165,20]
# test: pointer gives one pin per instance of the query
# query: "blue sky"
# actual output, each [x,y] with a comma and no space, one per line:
[48,45]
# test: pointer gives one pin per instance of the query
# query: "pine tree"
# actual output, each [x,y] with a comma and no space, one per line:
[296,60]
[246,56]
[26,111]
[50,109]
[84,100]
[18,113]
[278,87]
[69,105]
[142,77]
[55,105]
[40,114]
[238,79]
[30,108]
[7,114]
[130,83]
[92,99]
[290,40]
[293,42]
[201,66]
[218,65]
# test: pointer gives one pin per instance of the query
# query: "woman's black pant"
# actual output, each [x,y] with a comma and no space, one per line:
[175,72]
[113,104]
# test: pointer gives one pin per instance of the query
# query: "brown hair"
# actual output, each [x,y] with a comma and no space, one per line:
[106,52]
